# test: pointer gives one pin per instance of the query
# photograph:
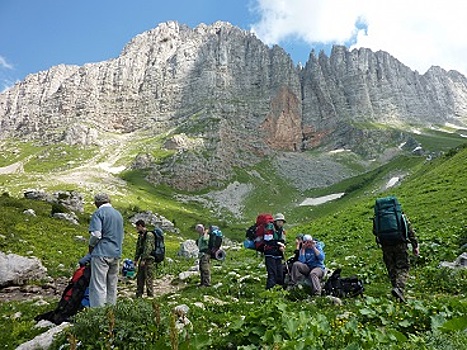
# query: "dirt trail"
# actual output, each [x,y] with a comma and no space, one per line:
[126,289]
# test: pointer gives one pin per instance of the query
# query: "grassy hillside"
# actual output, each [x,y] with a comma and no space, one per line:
[237,313]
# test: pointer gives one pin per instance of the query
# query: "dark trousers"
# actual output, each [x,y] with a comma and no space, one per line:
[205,269]
[275,271]
[145,277]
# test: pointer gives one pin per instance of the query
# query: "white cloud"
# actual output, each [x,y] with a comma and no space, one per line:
[418,33]
[4,63]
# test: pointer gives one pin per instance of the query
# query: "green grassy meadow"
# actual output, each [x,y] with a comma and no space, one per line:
[237,312]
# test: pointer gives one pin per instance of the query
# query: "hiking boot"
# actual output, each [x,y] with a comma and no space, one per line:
[398,294]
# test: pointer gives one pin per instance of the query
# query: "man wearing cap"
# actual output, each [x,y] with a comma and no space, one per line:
[274,246]
[105,245]
[310,263]
[204,256]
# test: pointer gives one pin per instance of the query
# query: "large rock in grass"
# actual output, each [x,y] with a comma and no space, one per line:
[18,270]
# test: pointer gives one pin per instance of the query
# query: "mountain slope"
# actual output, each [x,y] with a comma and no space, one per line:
[237,312]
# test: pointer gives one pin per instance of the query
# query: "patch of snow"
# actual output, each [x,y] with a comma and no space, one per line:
[111,169]
[321,200]
[450,125]
[340,150]
[416,131]
[402,145]
[392,182]
[418,148]
[463,135]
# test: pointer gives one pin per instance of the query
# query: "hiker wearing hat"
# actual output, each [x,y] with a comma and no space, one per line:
[204,256]
[105,245]
[274,246]
[310,264]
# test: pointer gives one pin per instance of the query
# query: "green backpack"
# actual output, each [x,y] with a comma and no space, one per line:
[389,223]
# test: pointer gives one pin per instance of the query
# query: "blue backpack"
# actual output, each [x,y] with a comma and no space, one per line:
[129,268]
[215,239]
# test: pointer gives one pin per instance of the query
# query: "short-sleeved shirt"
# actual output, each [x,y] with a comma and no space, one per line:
[109,222]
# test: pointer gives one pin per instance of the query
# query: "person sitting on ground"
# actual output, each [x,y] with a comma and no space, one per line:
[310,264]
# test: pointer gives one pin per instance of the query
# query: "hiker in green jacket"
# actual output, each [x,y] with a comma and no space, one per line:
[204,256]
[144,260]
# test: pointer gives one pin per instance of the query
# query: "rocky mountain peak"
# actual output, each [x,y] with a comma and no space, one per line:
[240,99]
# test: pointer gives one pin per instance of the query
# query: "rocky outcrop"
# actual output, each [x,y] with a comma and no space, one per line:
[361,86]
[222,99]
[19,270]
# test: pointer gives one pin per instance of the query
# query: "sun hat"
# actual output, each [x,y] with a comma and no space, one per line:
[307,238]
[279,217]
[199,226]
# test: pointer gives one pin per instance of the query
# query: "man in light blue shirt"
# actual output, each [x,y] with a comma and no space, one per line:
[105,245]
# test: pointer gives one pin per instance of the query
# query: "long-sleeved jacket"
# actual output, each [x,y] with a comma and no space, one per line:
[203,243]
[144,246]
[411,233]
[310,258]
[273,241]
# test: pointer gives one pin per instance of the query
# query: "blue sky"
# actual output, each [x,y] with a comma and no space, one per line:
[38,34]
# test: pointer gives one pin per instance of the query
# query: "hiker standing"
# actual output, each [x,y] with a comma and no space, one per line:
[144,260]
[105,245]
[204,256]
[274,246]
[310,264]
[394,241]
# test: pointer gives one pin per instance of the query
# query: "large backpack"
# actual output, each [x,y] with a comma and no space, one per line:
[215,240]
[343,287]
[159,250]
[264,225]
[389,224]
[71,300]
[250,236]
[254,236]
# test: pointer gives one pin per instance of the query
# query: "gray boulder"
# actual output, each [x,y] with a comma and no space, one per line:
[188,249]
[18,270]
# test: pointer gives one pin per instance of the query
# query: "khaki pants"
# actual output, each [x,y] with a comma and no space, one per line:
[301,271]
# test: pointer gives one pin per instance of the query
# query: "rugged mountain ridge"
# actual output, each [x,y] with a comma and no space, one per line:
[223,99]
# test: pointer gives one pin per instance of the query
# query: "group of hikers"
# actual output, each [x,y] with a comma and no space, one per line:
[391,227]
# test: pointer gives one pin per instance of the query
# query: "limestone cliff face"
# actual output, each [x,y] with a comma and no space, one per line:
[233,98]
[363,86]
